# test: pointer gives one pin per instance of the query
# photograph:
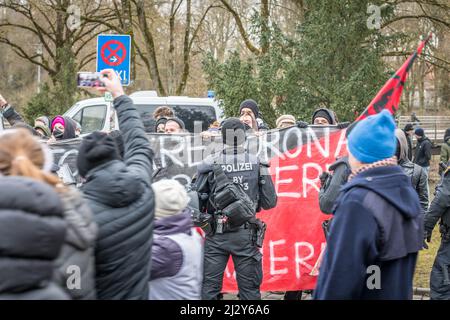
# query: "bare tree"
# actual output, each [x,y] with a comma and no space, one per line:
[47,22]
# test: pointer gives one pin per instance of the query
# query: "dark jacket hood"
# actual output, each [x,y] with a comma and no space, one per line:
[69,129]
[447,135]
[179,223]
[391,184]
[123,188]
[32,232]
[82,230]
[327,111]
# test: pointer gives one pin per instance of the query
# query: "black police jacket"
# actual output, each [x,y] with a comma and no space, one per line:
[243,168]
[440,208]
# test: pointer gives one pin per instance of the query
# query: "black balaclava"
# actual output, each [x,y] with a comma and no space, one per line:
[233,132]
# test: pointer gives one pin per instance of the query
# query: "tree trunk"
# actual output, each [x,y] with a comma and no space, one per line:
[186,50]
[150,47]
[265,32]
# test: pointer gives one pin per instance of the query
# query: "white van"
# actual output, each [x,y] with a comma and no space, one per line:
[99,115]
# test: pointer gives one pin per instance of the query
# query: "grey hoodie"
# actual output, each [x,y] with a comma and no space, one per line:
[414,171]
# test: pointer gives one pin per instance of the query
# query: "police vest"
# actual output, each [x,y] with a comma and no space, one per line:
[242,168]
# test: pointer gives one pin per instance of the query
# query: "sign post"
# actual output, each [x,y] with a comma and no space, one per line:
[114,52]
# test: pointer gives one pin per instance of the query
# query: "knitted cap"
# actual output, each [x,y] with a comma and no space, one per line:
[420,132]
[170,198]
[252,105]
[287,118]
[96,149]
[373,139]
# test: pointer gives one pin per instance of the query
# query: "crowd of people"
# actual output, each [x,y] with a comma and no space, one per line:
[122,236]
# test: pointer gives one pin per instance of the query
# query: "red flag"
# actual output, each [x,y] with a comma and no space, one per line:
[389,96]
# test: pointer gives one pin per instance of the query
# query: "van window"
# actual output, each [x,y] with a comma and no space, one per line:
[91,118]
[206,115]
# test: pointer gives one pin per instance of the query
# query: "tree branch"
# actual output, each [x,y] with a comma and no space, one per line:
[241,28]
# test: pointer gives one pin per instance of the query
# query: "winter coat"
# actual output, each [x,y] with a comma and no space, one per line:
[122,201]
[377,224]
[330,191]
[12,116]
[416,173]
[440,209]
[410,145]
[17,121]
[445,151]
[177,259]
[69,129]
[78,248]
[422,156]
[32,232]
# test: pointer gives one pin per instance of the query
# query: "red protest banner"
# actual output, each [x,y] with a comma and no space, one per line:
[294,239]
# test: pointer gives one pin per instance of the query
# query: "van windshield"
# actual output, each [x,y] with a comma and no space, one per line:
[204,115]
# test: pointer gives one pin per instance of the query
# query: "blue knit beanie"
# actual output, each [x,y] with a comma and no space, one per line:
[420,132]
[373,139]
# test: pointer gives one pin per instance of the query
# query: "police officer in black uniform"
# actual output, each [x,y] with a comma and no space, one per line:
[253,176]
[440,210]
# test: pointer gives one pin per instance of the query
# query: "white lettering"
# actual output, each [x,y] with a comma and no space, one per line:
[311,182]
[274,259]
[279,182]
[301,260]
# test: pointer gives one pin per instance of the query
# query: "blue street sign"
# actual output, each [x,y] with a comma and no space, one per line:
[114,52]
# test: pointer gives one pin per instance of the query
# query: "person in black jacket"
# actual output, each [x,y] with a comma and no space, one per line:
[422,156]
[122,201]
[417,174]
[63,128]
[245,169]
[440,211]
[32,232]
[331,184]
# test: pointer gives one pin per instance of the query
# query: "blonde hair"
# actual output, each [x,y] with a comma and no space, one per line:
[23,155]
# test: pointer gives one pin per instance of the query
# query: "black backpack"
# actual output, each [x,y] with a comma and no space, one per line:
[229,199]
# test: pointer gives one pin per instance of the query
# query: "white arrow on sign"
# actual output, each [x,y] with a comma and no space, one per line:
[114,59]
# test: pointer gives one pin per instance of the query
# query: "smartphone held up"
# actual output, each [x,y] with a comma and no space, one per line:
[90,80]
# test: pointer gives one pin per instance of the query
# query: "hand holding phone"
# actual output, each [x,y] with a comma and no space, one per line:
[112,83]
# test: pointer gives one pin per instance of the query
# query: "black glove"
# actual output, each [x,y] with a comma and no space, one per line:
[323,178]
[427,238]
[343,125]
[302,124]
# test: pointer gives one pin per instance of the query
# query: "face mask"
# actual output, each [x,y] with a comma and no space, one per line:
[58,134]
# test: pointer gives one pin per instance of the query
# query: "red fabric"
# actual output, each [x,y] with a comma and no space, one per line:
[389,96]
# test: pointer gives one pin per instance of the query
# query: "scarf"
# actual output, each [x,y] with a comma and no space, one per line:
[382,163]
